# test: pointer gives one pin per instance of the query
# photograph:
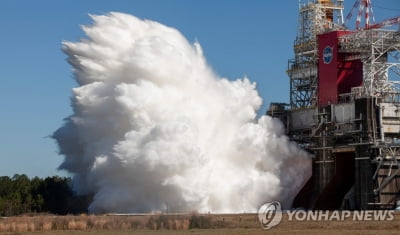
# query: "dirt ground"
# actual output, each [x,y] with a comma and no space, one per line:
[220,224]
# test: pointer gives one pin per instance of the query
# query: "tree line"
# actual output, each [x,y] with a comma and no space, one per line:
[20,195]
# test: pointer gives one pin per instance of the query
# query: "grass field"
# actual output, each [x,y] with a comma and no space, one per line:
[186,224]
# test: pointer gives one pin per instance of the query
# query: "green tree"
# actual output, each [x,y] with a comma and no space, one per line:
[20,194]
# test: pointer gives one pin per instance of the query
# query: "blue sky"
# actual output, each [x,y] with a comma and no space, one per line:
[239,38]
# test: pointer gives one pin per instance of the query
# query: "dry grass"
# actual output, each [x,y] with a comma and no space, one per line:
[180,224]
[42,223]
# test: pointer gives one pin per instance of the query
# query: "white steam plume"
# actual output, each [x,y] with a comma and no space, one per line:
[152,125]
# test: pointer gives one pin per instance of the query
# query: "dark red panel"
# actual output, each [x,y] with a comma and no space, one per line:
[350,74]
[335,76]
[327,68]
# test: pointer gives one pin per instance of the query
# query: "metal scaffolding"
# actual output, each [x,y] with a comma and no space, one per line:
[355,138]
[379,50]
[315,17]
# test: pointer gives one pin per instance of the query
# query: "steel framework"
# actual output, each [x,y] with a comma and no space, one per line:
[379,50]
[315,17]
[355,139]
